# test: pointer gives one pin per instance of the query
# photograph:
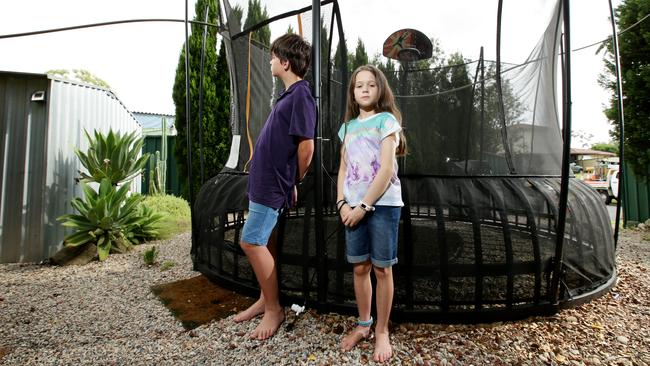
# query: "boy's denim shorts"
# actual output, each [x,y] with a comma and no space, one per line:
[374,237]
[260,223]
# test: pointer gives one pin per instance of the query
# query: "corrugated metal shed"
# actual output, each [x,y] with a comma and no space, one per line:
[42,120]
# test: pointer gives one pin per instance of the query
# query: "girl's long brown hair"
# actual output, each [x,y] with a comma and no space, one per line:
[385,102]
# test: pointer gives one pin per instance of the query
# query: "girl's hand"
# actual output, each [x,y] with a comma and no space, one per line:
[344,211]
[353,216]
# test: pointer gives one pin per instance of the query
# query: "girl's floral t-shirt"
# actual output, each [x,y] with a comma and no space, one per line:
[362,139]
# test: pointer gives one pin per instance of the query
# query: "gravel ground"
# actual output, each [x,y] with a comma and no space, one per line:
[105,314]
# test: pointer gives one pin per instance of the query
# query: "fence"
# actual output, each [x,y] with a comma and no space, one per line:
[636,202]
[153,144]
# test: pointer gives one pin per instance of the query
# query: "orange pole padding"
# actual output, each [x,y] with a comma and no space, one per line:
[299,25]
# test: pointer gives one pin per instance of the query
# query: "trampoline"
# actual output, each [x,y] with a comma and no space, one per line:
[491,229]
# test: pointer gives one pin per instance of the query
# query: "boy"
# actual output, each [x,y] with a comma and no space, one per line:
[282,154]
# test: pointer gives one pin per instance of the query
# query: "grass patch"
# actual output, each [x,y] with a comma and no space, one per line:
[150,255]
[167,265]
[172,226]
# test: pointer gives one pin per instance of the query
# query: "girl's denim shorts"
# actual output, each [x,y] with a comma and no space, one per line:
[375,237]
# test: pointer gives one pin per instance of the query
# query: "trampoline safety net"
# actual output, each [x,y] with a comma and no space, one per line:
[481,186]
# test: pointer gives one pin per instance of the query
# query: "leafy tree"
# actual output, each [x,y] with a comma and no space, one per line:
[215,116]
[581,137]
[255,15]
[606,146]
[82,75]
[513,109]
[388,69]
[460,99]
[634,47]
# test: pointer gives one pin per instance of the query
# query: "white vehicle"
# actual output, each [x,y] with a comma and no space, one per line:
[606,185]
[613,186]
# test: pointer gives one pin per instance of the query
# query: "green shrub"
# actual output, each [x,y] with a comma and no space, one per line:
[169,205]
[175,212]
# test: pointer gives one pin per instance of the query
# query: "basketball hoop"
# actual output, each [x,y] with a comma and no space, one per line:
[408,45]
[408,55]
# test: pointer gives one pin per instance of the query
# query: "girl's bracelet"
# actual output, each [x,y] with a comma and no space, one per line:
[340,204]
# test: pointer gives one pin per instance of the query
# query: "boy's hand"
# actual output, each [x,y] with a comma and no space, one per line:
[352,216]
[294,196]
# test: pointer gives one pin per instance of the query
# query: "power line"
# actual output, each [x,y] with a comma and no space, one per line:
[92,25]
[610,37]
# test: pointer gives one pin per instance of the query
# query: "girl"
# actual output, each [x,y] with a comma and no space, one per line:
[369,199]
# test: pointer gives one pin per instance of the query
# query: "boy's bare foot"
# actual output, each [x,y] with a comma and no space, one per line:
[354,337]
[269,324]
[383,349]
[254,310]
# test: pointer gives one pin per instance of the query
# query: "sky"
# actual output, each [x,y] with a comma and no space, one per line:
[139,60]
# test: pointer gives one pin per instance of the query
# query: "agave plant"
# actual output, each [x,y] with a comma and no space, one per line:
[107,218]
[113,156]
[147,226]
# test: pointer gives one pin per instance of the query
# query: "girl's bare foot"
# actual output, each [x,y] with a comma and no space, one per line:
[355,336]
[254,310]
[269,324]
[383,349]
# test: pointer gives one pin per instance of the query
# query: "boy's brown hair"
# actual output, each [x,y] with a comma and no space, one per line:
[293,48]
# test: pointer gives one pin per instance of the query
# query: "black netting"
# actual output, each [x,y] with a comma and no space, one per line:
[481,186]
[457,122]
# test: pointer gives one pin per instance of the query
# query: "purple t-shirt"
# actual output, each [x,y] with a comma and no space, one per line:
[272,172]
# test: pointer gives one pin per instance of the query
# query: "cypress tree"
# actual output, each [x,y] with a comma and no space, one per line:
[215,115]
[254,15]
[360,56]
